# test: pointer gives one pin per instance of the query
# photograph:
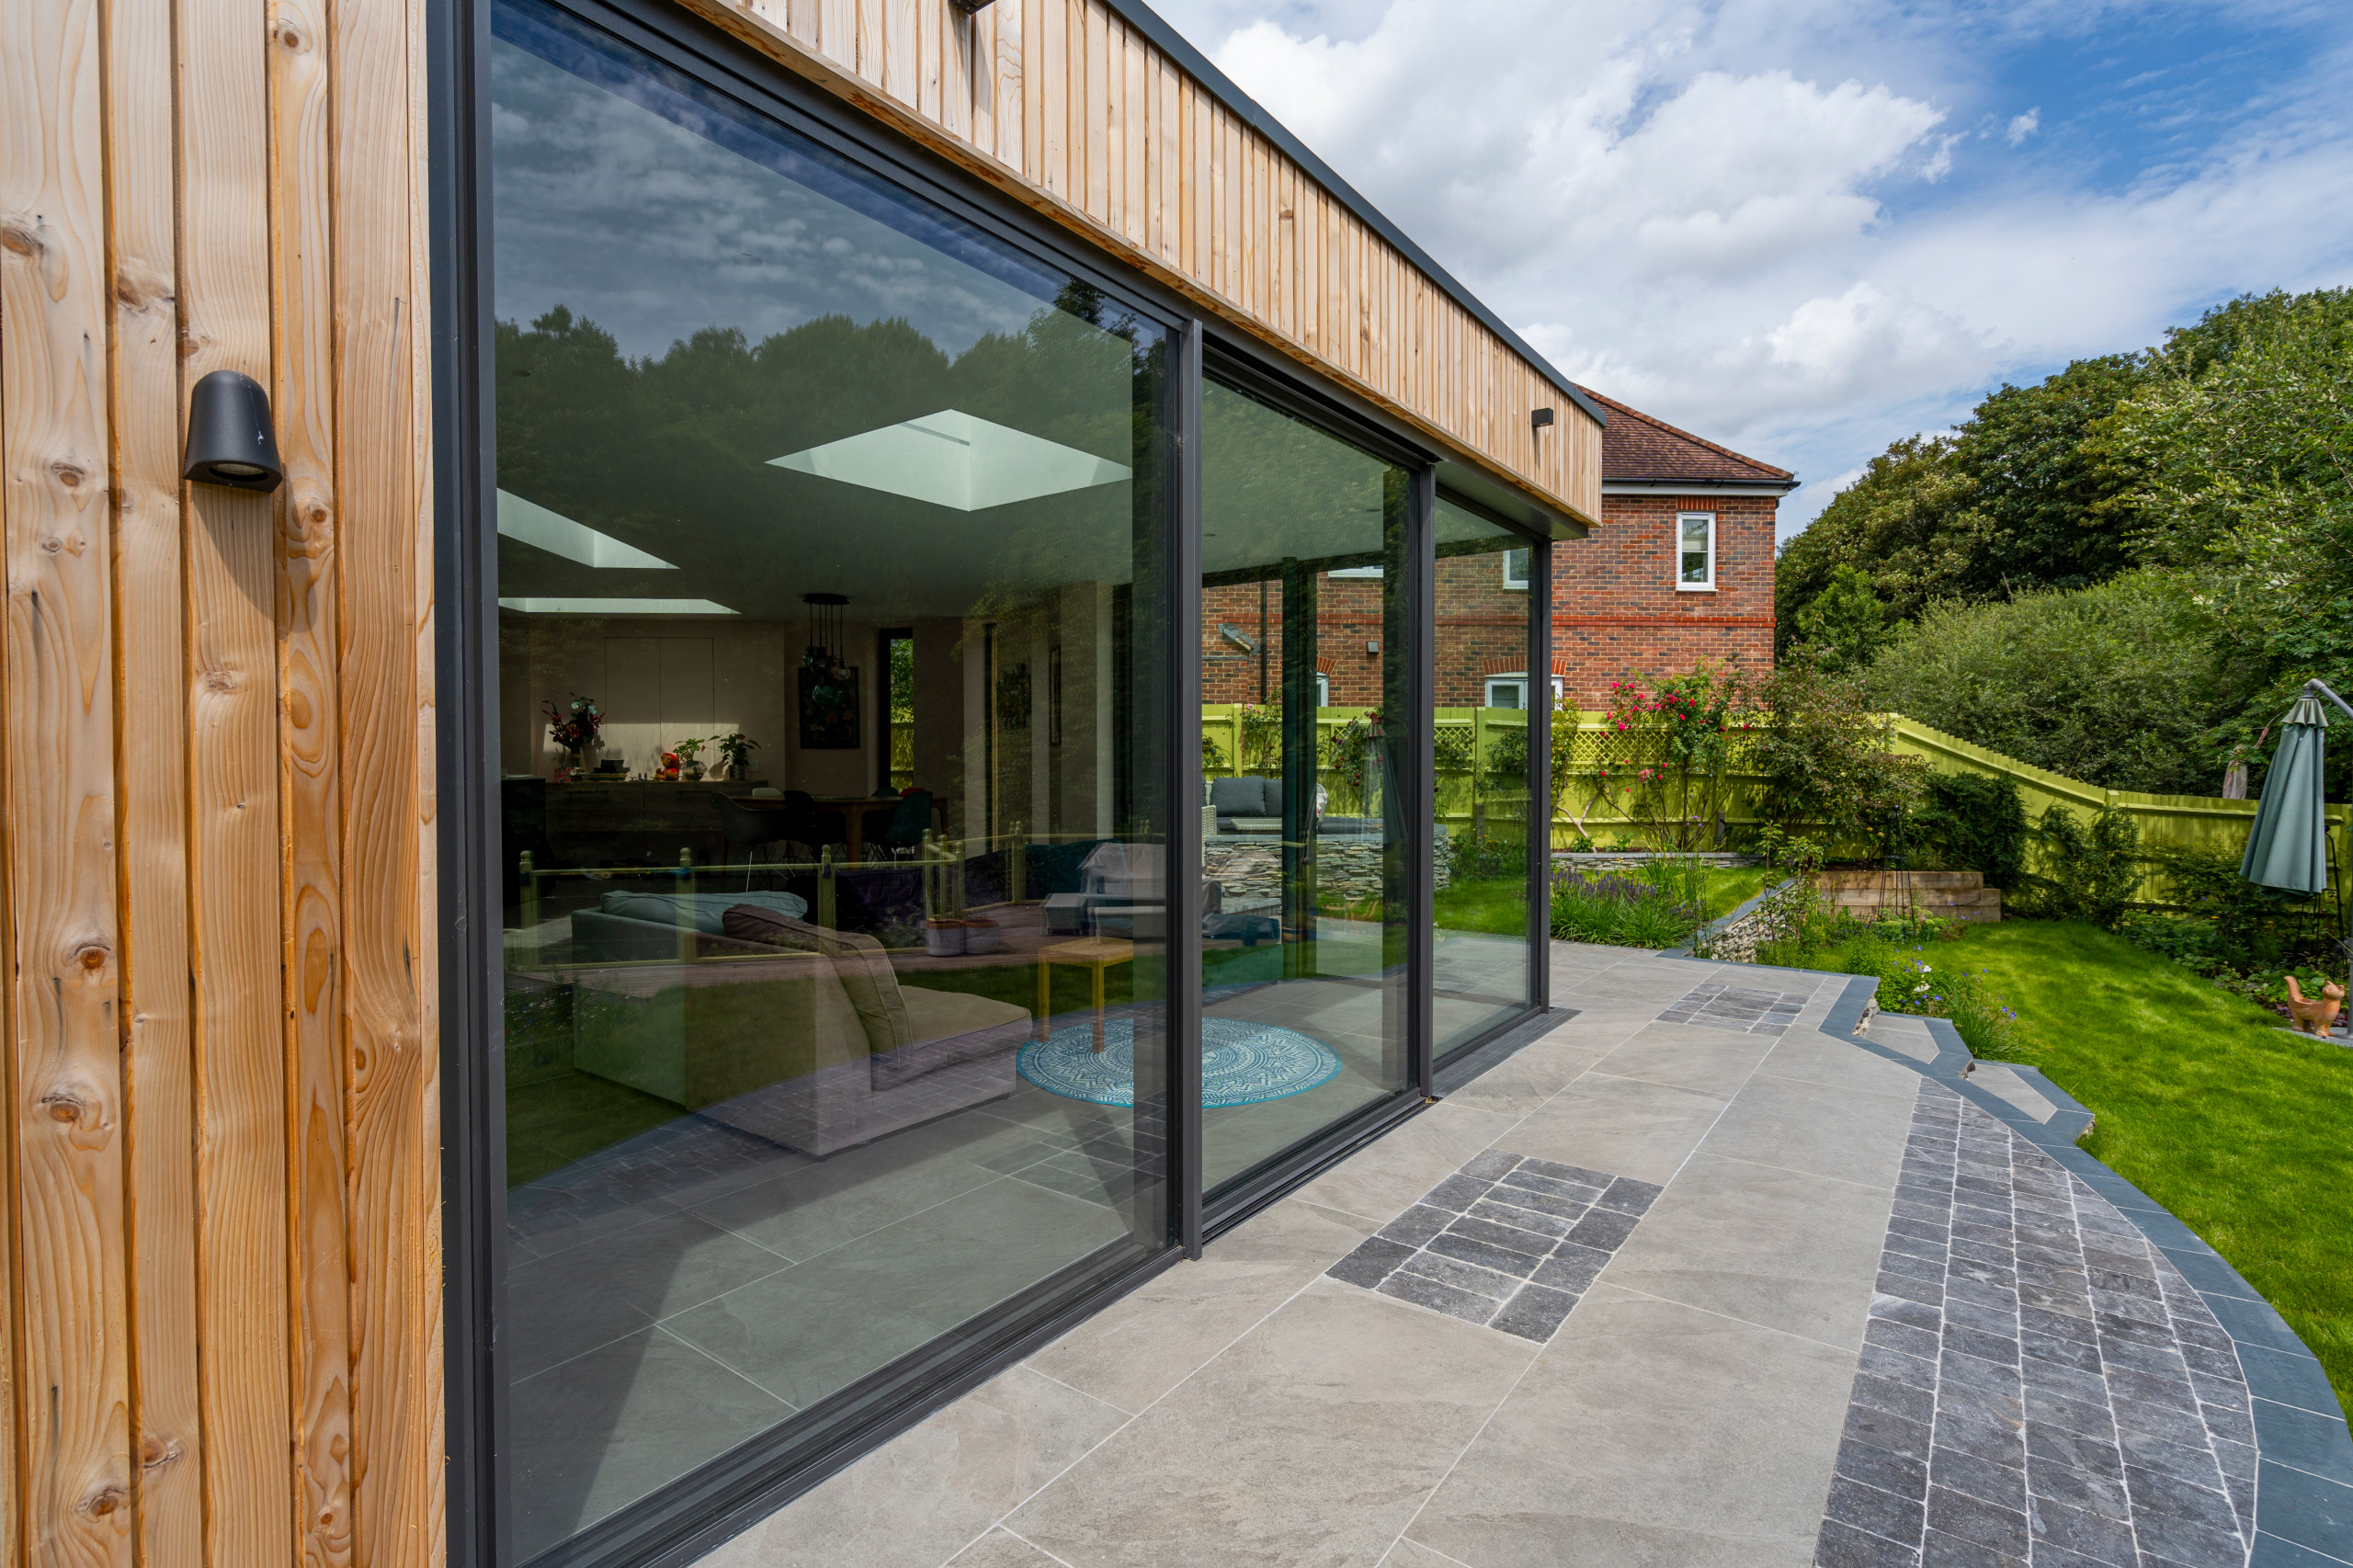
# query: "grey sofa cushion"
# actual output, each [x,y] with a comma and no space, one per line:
[859,963]
[1237,797]
[1270,802]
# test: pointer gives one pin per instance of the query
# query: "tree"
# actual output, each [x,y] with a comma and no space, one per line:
[1903,525]
[2116,684]
[2039,494]
[1846,624]
[1823,752]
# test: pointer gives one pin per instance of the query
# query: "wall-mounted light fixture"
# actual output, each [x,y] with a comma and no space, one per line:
[1238,637]
[229,437]
[1539,418]
[969,7]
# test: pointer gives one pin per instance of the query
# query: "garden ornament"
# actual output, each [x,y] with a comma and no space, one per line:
[2316,1014]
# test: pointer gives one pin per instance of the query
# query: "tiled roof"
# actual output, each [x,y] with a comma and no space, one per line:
[1636,446]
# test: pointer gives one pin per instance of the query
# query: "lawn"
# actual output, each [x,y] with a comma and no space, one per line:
[2242,1131]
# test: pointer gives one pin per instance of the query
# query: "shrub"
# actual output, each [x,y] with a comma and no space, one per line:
[2086,873]
[2247,925]
[1973,823]
[1824,754]
[1644,911]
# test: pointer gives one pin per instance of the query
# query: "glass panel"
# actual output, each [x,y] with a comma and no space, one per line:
[1303,896]
[802,1076]
[1481,965]
[1694,549]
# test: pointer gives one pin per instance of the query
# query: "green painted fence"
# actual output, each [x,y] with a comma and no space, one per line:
[1467,739]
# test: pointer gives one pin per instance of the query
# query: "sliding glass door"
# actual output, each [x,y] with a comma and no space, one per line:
[833,619]
[1304,655]
[1494,701]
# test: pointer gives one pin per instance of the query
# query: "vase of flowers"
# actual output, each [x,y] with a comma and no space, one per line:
[574,730]
[735,755]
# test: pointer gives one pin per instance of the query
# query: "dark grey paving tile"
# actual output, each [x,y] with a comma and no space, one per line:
[1843,1546]
[1464,1248]
[1878,1467]
[1424,1291]
[1374,1259]
[1416,1225]
[1883,1513]
[1973,1519]
[1999,1484]
[1535,1313]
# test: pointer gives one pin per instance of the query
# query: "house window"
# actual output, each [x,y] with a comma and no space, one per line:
[1324,685]
[1694,551]
[1515,568]
[1510,689]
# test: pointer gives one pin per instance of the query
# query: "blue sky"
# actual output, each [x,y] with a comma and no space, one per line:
[1806,228]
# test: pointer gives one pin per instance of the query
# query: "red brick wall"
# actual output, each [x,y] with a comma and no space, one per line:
[1615,610]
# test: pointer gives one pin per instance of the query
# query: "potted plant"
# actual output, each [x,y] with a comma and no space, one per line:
[573,729]
[735,755]
[981,934]
[689,754]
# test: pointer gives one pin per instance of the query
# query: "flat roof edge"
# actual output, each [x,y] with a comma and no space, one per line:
[1169,41]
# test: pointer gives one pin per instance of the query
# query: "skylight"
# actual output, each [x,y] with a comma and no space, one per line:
[614,607]
[951,459]
[559,535]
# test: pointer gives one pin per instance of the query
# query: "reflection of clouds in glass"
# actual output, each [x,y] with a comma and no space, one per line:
[655,232]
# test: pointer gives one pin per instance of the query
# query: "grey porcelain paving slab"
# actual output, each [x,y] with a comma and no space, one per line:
[1001,1549]
[933,1489]
[1379,1181]
[1311,1441]
[577,1300]
[1144,1344]
[1650,1433]
[1711,1061]
[1521,1085]
[1411,1553]
[607,1428]
[2000,1081]
[809,1330]
[1776,1248]
[1838,1132]
[1626,1126]
[1811,1057]
[1909,1036]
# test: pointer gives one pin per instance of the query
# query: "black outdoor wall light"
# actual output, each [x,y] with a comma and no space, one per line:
[229,437]
[969,7]
[1539,418]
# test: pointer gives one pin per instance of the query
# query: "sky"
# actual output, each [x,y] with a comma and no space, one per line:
[1806,228]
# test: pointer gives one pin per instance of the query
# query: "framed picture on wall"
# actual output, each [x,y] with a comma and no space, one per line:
[829,705]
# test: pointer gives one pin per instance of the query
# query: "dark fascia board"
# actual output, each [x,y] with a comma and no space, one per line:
[1147,21]
[1468,484]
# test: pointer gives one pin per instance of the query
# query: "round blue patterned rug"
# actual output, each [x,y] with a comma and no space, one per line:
[1242,1064]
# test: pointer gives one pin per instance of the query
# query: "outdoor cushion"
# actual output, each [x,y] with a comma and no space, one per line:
[1238,797]
[859,963]
[707,911]
[1270,803]
[950,1027]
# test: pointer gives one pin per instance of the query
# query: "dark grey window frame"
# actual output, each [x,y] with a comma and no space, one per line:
[682,1521]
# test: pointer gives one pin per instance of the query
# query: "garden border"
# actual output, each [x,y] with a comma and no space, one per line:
[2303,1449]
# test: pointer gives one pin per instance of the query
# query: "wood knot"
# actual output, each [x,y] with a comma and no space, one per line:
[92,956]
[290,35]
[64,1105]
[22,240]
[105,1500]
[217,680]
[155,1452]
[69,474]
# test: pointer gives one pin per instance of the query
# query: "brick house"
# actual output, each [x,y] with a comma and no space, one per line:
[1681,568]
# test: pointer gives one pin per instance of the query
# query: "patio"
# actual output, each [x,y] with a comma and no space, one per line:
[1698,1277]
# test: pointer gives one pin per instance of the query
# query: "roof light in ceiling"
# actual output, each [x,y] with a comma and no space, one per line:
[614,607]
[951,459]
[559,535]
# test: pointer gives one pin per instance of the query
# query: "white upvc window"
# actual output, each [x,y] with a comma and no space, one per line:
[1515,568]
[1695,553]
[1509,689]
[1323,690]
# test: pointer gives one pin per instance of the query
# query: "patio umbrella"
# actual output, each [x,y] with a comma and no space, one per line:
[2289,844]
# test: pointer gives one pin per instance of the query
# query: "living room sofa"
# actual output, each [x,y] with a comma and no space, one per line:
[818,1051]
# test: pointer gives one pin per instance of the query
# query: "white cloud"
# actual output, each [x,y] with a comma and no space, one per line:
[1749,218]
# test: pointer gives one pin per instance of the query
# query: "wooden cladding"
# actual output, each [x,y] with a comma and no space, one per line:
[222,1173]
[1068,108]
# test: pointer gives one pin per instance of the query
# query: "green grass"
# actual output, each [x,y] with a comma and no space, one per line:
[1728,888]
[1498,905]
[2242,1131]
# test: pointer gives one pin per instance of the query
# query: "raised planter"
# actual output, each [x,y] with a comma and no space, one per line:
[1949,895]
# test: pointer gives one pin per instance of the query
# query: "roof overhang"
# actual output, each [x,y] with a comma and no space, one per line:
[1508,501]
[1698,486]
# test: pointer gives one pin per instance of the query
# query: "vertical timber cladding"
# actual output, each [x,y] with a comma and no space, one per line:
[1062,104]
[221,1177]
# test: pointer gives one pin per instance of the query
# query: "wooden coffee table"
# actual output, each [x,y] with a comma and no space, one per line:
[1098,954]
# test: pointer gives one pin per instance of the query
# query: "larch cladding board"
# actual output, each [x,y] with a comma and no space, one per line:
[1064,106]
[222,1173]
